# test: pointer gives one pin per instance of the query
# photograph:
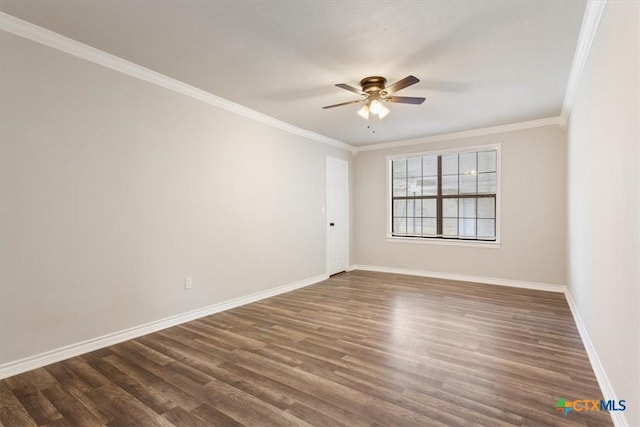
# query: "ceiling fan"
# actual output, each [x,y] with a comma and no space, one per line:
[374,93]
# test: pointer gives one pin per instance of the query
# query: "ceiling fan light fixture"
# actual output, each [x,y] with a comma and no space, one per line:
[383,111]
[375,107]
[364,112]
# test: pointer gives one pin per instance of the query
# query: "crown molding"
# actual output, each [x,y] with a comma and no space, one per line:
[35,33]
[590,23]
[550,121]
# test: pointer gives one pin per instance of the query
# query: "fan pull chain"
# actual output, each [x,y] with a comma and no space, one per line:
[371,128]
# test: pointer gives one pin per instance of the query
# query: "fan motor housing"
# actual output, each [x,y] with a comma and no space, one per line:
[373,84]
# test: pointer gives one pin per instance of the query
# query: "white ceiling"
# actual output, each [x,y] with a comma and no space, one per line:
[481,63]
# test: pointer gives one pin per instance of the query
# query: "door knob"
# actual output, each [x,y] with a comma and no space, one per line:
[331,224]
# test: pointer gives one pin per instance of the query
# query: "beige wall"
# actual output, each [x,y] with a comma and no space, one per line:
[533,212]
[604,200]
[114,190]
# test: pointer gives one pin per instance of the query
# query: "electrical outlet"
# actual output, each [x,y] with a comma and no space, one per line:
[188,283]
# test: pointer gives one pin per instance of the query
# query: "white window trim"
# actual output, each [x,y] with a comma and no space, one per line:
[495,244]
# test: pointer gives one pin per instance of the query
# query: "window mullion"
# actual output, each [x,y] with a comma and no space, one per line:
[393,213]
[439,199]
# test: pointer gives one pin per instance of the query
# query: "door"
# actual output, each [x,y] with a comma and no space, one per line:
[337,215]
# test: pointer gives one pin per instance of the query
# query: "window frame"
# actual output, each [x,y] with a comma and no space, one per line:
[443,240]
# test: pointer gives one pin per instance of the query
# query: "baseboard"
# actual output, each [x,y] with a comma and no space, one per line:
[619,419]
[465,278]
[37,361]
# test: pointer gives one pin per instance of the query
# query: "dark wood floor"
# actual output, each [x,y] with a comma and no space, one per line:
[359,349]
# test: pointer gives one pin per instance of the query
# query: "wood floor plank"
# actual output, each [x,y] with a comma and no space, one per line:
[72,409]
[66,378]
[158,402]
[214,417]
[12,413]
[161,391]
[79,367]
[334,393]
[255,387]
[314,417]
[345,416]
[183,418]
[360,349]
[125,409]
[36,404]
[237,404]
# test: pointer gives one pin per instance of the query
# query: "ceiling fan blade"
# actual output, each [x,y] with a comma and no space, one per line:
[401,84]
[405,99]
[350,88]
[341,104]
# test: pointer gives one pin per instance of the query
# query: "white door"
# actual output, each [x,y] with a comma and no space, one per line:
[337,215]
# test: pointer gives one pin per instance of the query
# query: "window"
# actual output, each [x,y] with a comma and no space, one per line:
[449,195]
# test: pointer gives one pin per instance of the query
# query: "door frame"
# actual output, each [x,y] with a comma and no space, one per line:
[347,211]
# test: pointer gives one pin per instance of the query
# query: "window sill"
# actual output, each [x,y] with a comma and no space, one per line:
[441,242]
